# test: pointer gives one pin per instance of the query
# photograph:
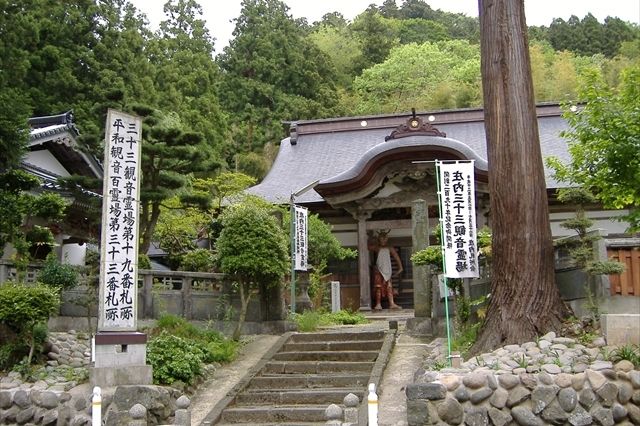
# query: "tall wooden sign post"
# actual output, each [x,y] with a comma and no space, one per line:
[120,350]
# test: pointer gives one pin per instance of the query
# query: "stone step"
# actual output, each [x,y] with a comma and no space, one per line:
[363,345]
[274,413]
[274,424]
[336,337]
[308,381]
[316,367]
[297,397]
[326,356]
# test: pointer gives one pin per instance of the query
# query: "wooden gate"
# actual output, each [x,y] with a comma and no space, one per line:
[627,283]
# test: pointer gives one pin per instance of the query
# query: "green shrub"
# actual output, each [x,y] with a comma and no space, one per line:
[307,321]
[176,326]
[144,262]
[25,309]
[173,358]
[212,345]
[311,320]
[55,274]
[219,350]
[198,260]
[344,317]
[23,306]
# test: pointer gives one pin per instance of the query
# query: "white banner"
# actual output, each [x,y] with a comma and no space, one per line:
[300,238]
[458,211]
[120,205]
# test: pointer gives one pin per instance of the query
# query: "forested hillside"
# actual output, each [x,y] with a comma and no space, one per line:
[90,55]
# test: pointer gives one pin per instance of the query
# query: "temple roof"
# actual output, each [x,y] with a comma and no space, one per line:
[336,150]
[57,134]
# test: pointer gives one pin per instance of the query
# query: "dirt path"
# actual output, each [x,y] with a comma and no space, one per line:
[227,376]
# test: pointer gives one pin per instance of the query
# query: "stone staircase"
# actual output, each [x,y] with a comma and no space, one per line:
[309,372]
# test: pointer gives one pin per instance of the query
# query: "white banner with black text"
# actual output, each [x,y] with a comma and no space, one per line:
[458,214]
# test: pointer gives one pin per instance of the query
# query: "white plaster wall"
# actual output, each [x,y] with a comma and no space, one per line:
[603,219]
[73,254]
[45,160]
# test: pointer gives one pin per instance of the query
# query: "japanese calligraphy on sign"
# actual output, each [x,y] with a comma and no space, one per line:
[119,247]
[457,206]
[300,238]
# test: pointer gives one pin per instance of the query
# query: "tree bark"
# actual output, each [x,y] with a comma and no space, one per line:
[245,294]
[525,301]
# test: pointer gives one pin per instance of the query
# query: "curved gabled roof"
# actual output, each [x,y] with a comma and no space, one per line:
[338,149]
[412,148]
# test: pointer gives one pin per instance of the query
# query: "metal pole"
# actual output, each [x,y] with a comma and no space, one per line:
[292,240]
[444,263]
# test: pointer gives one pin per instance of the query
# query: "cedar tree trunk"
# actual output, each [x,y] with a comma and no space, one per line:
[525,301]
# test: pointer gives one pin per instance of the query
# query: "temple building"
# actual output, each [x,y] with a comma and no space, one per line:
[367,171]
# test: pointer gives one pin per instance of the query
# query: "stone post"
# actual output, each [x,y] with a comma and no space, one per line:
[303,301]
[187,306]
[147,295]
[138,414]
[422,287]
[183,415]
[333,414]
[351,403]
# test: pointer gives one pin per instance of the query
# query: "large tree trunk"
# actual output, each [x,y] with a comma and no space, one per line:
[525,301]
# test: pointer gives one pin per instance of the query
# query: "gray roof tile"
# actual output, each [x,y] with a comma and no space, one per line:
[324,156]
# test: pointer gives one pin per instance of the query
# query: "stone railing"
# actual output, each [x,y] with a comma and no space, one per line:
[196,296]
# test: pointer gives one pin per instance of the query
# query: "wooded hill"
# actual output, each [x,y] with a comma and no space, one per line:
[90,55]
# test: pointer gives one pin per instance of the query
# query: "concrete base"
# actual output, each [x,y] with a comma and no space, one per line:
[621,329]
[420,326]
[108,377]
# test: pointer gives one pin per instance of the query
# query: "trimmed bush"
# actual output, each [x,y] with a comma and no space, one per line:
[22,306]
[57,275]
[173,358]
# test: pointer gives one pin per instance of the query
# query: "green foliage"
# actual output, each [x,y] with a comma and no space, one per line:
[435,73]
[627,352]
[307,321]
[173,358]
[22,306]
[272,72]
[179,349]
[57,275]
[587,36]
[322,244]
[25,309]
[465,338]
[431,256]
[198,260]
[603,144]
[344,317]
[311,320]
[252,246]
[143,261]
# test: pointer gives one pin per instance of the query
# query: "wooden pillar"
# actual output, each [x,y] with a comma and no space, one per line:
[363,263]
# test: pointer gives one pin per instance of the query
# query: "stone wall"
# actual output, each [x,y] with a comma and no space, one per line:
[49,407]
[552,381]
[55,397]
